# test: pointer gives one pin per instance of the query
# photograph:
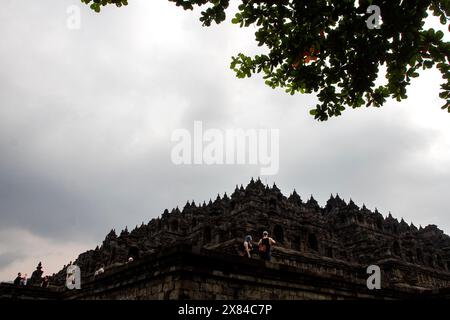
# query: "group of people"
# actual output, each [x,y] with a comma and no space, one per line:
[263,248]
[20,281]
[23,280]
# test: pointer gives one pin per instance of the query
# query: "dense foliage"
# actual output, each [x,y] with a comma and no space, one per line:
[326,47]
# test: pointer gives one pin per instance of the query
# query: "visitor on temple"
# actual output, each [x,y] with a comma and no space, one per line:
[265,246]
[248,247]
[45,282]
[99,271]
[23,281]
[18,279]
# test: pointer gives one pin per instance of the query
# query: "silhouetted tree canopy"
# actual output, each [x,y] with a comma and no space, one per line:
[326,47]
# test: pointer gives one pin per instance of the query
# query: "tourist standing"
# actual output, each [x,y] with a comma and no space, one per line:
[265,246]
[248,246]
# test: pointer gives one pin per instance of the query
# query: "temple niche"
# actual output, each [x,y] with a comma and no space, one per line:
[329,240]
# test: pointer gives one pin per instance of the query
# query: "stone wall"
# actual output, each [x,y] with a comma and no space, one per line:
[328,247]
[11,292]
[183,272]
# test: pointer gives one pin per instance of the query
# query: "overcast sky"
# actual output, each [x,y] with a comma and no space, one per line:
[86,118]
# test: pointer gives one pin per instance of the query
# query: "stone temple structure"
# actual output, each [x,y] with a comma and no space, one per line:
[321,253]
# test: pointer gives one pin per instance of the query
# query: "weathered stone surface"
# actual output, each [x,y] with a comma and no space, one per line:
[322,253]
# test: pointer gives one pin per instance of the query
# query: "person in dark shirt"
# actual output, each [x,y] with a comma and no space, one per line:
[265,246]
[18,279]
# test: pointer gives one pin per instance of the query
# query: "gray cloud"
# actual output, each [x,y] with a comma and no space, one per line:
[86,118]
[8,258]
